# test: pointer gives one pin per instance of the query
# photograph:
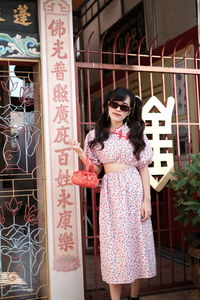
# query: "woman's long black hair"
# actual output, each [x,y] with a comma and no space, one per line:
[134,121]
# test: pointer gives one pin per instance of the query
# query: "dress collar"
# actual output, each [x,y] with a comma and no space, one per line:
[121,132]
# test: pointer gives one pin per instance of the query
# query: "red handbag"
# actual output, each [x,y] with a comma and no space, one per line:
[86,178]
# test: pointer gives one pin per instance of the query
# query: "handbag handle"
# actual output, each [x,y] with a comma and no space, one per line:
[89,165]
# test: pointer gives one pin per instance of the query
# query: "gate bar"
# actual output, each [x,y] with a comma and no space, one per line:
[88,65]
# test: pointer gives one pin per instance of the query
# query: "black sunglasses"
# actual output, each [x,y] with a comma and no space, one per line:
[123,107]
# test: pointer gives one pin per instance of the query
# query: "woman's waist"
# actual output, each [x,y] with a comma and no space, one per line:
[116,167]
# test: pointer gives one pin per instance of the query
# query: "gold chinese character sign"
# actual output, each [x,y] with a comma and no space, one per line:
[1,19]
[21,15]
[19,29]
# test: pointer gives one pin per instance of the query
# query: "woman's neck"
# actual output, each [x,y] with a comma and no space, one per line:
[116,125]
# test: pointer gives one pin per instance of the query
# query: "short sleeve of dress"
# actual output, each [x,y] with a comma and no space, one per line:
[91,152]
[146,154]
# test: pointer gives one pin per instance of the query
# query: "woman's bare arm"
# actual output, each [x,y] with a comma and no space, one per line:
[146,205]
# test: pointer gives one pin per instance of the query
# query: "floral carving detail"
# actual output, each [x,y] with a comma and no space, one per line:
[18,241]
[31,127]
[2,218]
[9,86]
[13,206]
[26,96]
[31,214]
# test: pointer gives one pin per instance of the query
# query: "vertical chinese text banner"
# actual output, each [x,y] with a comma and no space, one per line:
[66,255]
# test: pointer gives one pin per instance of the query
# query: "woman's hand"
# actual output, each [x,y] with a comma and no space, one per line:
[75,145]
[146,210]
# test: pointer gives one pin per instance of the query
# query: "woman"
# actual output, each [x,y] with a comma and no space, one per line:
[119,145]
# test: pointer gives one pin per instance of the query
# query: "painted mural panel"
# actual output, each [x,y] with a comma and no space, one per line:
[19,29]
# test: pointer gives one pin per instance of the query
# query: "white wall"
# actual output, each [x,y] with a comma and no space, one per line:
[94,43]
[110,15]
[129,4]
[174,17]
[164,18]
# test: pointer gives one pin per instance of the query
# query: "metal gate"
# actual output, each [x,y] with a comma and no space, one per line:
[23,240]
[167,71]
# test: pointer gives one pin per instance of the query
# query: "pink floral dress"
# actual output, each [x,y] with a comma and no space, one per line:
[126,243]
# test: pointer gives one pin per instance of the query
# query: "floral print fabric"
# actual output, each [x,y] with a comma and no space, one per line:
[126,243]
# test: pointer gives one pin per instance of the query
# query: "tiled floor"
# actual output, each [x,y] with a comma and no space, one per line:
[182,295]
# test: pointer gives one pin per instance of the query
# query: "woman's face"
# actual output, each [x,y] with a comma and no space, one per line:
[118,114]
